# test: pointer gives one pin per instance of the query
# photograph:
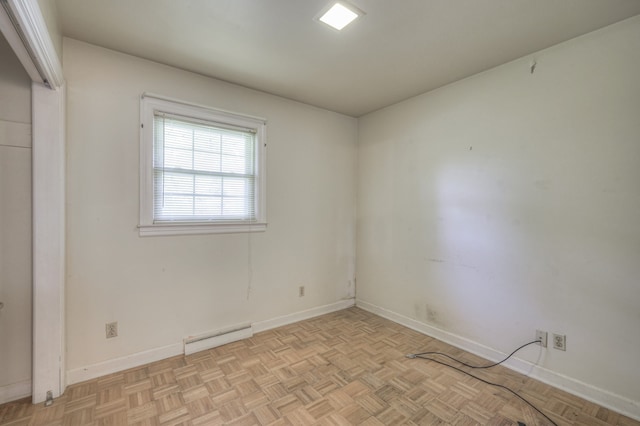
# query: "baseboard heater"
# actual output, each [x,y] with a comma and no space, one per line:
[217,338]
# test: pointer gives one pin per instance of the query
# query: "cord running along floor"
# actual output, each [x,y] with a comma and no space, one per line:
[344,368]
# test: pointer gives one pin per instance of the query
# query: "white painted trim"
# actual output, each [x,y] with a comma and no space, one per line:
[93,371]
[123,363]
[302,315]
[591,393]
[14,40]
[34,27]
[34,48]
[157,230]
[15,391]
[152,104]
[48,157]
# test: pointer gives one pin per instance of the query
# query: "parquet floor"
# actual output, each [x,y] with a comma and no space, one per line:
[343,368]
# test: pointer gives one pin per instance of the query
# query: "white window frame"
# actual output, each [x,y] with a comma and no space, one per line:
[152,104]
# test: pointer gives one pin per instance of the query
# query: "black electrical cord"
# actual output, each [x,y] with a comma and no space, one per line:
[421,356]
[477,366]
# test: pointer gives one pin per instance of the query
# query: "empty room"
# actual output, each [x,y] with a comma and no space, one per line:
[287,212]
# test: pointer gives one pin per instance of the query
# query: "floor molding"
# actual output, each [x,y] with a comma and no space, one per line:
[302,315]
[99,369]
[93,371]
[591,393]
[343,368]
[15,391]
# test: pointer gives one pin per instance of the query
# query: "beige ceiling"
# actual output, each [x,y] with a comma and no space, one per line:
[399,49]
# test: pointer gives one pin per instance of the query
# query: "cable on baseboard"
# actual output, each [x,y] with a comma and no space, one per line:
[421,355]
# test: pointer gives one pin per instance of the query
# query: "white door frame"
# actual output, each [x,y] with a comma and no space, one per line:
[32,44]
[48,163]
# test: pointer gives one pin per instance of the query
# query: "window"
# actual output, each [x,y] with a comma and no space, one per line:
[202,170]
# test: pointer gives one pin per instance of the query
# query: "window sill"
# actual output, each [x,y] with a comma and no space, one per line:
[199,228]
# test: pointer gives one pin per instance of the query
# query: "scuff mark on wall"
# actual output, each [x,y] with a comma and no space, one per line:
[418,311]
[462,265]
[432,315]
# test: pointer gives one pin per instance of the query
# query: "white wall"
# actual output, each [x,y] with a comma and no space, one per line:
[162,289]
[49,12]
[509,202]
[15,226]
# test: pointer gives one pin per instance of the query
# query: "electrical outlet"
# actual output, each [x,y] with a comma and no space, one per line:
[111,329]
[542,337]
[560,342]
[301,291]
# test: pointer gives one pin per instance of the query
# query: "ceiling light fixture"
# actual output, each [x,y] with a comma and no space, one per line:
[340,15]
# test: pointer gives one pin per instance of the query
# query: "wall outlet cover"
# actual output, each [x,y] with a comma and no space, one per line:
[560,342]
[111,329]
[542,336]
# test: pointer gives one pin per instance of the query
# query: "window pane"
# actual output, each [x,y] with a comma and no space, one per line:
[176,205]
[233,144]
[206,161]
[233,164]
[234,187]
[208,185]
[177,183]
[216,178]
[206,140]
[208,206]
[235,207]
[177,158]
[177,136]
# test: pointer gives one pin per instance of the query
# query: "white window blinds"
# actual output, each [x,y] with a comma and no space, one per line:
[202,171]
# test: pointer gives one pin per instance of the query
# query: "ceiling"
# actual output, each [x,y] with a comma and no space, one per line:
[399,49]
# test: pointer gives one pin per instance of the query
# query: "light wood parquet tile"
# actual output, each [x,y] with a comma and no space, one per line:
[344,368]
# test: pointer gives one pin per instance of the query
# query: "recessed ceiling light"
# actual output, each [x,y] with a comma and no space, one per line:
[340,15]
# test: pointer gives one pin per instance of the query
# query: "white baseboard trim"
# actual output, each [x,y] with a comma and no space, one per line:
[591,393]
[93,371]
[302,315]
[15,391]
